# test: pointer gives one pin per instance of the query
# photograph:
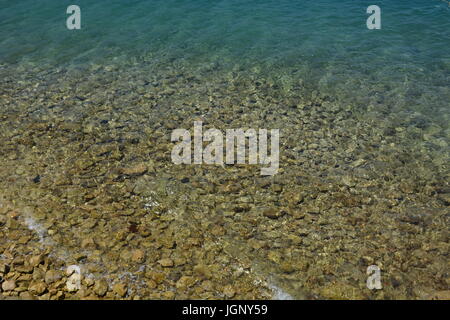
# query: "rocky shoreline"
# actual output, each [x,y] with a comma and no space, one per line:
[86,179]
[30,270]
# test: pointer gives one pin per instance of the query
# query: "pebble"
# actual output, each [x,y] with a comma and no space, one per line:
[136,170]
[4,268]
[168,295]
[185,282]
[138,256]
[273,213]
[445,198]
[101,287]
[88,243]
[441,295]
[36,260]
[120,289]
[8,285]
[167,263]
[38,288]
[229,291]
[52,276]
[88,282]
[348,181]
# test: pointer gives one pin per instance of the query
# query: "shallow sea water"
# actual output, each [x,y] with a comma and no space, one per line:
[86,118]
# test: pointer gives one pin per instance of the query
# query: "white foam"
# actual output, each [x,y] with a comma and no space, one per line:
[279,294]
[33,225]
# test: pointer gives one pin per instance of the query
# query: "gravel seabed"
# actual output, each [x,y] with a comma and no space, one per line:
[87,179]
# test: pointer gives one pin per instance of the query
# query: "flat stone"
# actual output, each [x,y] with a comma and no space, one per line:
[185,282]
[229,291]
[88,243]
[440,295]
[26,296]
[4,268]
[36,260]
[52,276]
[136,170]
[273,213]
[138,256]
[341,291]
[166,263]
[101,287]
[120,289]
[88,282]
[24,269]
[73,282]
[445,198]
[348,181]
[168,295]
[8,285]
[38,288]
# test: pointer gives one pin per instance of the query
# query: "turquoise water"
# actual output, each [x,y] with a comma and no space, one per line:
[324,43]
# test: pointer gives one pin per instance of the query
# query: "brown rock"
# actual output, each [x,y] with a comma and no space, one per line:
[24,269]
[36,260]
[229,291]
[157,277]
[52,276]
[4,268]
[185,282]
[120,289]
[151,284]
[13,214]
[341,291]
[8,285]
[168,295]
[445,198]
[100,288]
[166,263]
[88,243]
[441,295]
[138,256]
[38,274]
[297,214]
[91,297]
[287,267]
[26,296]
[88,282]
[136,170]
[59,295]
[273,213]
[37,288]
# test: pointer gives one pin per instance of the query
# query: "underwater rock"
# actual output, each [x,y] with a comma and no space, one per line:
[74,280]
[52,276]
[138,256]
[273,213]
[136,170]
[101,287]
[166,262]
[120,289]
[38,288]
[8,285]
